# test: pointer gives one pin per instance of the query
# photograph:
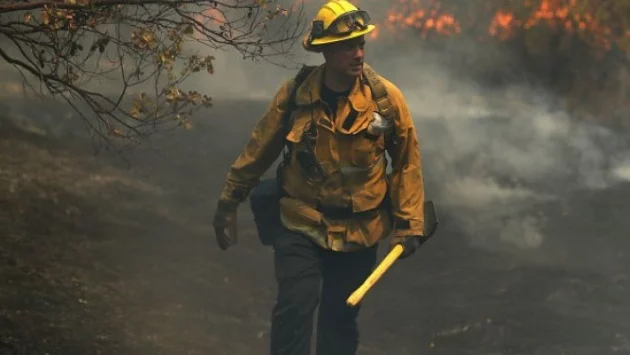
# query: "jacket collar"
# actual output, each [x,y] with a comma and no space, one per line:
[308,93]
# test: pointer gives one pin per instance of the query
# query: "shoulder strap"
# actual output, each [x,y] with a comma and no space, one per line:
[379,93]
[287,121]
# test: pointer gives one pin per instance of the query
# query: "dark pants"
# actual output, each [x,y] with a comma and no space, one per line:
[308,276]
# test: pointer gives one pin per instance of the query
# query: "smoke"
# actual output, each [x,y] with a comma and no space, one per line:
[500,158]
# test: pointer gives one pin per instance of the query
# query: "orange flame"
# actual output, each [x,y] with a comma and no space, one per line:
[411,14]
[502,25]
[432,17]
[555,14]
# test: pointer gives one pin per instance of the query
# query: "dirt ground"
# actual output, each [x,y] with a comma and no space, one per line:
[97,257]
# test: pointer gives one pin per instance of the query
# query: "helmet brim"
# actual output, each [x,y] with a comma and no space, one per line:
[334,39]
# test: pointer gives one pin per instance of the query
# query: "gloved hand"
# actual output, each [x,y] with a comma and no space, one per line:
[225,218]
[410,243]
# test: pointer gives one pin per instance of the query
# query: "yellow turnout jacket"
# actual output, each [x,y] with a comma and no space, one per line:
[353,202]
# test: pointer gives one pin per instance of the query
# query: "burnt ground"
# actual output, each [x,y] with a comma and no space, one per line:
[97,257]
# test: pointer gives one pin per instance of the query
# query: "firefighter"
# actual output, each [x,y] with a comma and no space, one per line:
[337,201]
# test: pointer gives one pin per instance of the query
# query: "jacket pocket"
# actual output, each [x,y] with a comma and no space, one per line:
[366,150]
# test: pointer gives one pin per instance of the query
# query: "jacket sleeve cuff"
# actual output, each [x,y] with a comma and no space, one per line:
[404,228]
[233,193]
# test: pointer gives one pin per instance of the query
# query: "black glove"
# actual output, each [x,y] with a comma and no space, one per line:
[410,243]
[225,218]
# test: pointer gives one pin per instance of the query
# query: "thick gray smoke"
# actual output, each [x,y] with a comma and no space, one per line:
[499,158]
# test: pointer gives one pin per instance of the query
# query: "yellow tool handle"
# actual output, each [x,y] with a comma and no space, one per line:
[382,267]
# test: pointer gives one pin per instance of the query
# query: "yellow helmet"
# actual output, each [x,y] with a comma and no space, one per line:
[337,20]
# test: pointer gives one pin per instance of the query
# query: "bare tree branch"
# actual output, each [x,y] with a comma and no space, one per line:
[146,48]
[10,6]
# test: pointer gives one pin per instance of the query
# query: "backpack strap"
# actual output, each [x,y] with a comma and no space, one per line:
[288,118]
[379,93]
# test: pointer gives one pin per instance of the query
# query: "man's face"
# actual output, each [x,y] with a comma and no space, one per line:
[346,57]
